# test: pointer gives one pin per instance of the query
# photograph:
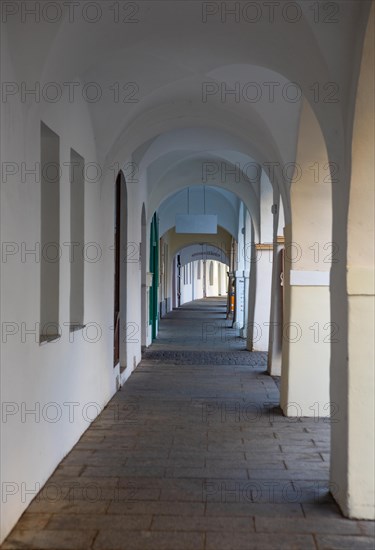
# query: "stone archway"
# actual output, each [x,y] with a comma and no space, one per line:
[352,302]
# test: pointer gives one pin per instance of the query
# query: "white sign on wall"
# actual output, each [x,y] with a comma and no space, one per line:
[196,252]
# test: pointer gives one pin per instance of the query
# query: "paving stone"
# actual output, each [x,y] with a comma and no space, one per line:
[141,483]
[253,509]
[274,474]
[318,525]
[129,491]
[31,521]
[190,523]
[262,491]
[66,507]
[50,540]
[320,509]
[99,460]
[104,521]
[77,456]
[157,507]
[258,541]
[122,471]
[149,540]
[79,482]
[243,462]
[69,470]
[187,491]
[347,542]
[297,465]
[368,528]
[210,472]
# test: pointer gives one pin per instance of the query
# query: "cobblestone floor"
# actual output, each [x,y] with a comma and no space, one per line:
[194,454]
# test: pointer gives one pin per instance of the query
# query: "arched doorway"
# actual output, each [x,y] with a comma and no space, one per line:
[144,321]
[120,282]
[154,269]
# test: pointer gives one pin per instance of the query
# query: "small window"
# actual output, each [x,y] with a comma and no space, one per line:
[211,274]
[199,270]
[49,234]
[77,228]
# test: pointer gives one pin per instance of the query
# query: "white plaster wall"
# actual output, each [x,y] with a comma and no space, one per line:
[76,372]
[263,267]
[79,372]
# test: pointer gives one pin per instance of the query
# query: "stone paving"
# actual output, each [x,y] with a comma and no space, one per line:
[194,455]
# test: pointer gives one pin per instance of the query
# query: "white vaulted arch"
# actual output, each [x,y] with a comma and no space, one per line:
[167,94]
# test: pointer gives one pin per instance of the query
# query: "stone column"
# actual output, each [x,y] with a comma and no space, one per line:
[276,315]
[307,331]
[352,365]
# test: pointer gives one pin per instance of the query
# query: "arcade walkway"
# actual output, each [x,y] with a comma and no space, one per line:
[194,454]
